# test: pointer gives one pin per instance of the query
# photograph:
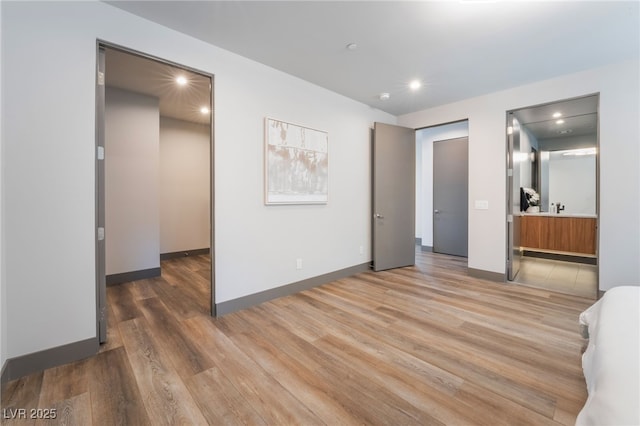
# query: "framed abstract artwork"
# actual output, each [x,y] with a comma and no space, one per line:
[296,164]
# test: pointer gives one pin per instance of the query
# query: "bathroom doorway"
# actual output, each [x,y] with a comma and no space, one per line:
[552,196]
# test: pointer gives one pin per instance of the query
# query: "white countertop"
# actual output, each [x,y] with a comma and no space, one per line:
[584,215]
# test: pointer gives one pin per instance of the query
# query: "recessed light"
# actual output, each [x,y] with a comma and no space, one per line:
[565,131]
[384,96]
[204,110]
[415,85]
[557,115]
[181,80]
[352,46]
[561,121]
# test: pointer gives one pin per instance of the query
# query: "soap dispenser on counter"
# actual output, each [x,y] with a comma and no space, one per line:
[552,209]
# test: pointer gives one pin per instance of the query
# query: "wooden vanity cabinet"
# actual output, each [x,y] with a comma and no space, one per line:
[559,233]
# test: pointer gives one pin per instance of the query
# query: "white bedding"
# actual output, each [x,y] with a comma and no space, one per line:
[611,362]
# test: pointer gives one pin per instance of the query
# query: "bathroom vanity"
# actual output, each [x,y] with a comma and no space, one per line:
[566,233]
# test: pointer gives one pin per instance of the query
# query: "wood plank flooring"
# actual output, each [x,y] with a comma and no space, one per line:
[421,345]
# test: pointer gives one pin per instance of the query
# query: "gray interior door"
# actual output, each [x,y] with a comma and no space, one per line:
[101,275]
[514,253]
[450,196]
[394,211]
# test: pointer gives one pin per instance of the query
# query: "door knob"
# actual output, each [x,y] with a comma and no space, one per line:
[378,216]
[436,211]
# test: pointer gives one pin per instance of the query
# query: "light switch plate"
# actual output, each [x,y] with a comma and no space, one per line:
[482,205]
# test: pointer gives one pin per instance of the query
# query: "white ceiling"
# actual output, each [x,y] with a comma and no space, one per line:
[150,77]
[458,49]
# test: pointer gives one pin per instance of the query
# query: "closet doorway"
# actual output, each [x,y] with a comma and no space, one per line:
[154,180]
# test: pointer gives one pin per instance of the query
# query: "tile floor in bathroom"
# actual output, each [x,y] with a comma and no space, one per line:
[572,278]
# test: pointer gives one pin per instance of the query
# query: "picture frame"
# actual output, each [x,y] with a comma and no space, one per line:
[296,167]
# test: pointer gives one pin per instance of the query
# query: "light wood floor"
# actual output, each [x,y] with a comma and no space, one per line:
[420,345]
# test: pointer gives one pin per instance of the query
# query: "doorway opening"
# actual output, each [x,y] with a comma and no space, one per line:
[442,188]
[552,196]
[403,197]
[154,180]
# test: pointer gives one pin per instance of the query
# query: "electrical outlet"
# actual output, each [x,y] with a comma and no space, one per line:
[298,263]
[361,249]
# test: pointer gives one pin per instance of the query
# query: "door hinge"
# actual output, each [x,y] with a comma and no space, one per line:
[100,78]
[509,218]
[100,233]
[101,153]
[509,172]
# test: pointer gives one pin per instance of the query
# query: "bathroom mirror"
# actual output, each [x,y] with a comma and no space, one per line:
[557,156]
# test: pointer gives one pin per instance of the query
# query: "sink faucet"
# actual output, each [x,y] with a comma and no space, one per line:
[559,207]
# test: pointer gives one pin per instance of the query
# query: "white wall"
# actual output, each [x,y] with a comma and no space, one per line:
[132,171]
[619,225]
[49,207]
[184,185]
[572,182]
[424,169]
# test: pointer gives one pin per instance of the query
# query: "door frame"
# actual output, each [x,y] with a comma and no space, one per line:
[423,171]
[508,195]
[100,265]
[512,220]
